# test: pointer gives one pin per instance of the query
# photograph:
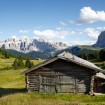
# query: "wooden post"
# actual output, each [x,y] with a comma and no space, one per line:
[76,87]
[92,85]
[40,81]
[26,81]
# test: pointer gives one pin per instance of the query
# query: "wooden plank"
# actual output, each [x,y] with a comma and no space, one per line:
[40,81]
[92,84]
[60,77]
[65,83]
[66,88]
[48,84]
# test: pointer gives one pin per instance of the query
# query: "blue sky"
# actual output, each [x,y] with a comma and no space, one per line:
[71,21]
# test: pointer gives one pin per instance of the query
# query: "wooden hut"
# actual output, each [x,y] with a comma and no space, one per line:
[65,73]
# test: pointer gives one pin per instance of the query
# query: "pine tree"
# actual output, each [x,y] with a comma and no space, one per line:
[20,62]
[102,55]
[31,64]
[7,55]
[15,64]
[28,63]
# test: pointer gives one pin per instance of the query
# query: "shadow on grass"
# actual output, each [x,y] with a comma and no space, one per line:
[8,91]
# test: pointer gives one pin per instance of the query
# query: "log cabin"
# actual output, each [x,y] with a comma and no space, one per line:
[65,73]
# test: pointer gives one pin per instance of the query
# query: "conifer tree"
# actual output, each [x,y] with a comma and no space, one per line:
[28,63]
[102,55]
[20,62]
[15,64]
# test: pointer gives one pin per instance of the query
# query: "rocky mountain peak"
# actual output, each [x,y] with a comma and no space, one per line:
[101,40]
[28,45]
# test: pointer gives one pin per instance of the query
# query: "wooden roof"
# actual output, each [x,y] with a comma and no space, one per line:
[68,57]
[100,75]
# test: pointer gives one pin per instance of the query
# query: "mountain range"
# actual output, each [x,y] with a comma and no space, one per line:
[28,45]
[44,49]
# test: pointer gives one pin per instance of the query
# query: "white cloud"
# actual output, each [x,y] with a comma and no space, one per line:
[88,15]
[79,42]
[14,37]
[91,33]
[24,37]
[24,31]
[62,23]
[50,34]
[21,37]
[101,28]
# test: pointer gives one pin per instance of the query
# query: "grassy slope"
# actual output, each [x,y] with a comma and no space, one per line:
[6,62]
[12,92]
[90,48]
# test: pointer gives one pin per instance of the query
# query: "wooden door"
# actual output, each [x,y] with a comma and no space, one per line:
[83,83]
[48,84]
[66,84]
[99,85]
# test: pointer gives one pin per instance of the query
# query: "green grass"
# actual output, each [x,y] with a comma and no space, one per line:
[37,61]
[24,98]
[6,62]
[90,47]
[100,64]
[12,92]
[11,79]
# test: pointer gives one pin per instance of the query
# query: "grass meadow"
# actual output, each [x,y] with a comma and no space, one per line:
[13,92]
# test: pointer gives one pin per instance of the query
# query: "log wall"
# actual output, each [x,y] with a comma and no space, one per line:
[60,77]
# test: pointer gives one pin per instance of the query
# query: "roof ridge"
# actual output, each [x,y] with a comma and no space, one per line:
[68,57]
[71,56]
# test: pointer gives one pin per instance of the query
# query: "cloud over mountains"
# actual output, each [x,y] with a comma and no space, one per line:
[88,15]
[53,33]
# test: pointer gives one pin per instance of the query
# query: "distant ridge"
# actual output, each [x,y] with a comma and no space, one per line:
[101,40]
[28,45]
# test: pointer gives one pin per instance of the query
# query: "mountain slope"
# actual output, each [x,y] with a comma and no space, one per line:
[84,49]
[101,40]
[28,45]
[77,50]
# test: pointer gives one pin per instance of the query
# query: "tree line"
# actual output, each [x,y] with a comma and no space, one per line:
[5,53]
[98,56]
[19,63]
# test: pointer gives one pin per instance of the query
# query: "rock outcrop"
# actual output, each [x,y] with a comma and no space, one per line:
[101,40]
[27,45]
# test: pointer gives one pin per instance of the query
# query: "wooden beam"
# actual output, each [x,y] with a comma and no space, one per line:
[92,85]
[40,81]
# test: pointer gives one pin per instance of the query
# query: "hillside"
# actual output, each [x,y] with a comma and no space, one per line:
[30,44]
[101,40]
[12,92]
[77,50]
[7,59]
[46,55]
[10,77]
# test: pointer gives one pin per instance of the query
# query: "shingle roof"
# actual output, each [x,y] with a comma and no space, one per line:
[68,57]
[100,75]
